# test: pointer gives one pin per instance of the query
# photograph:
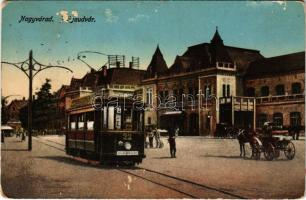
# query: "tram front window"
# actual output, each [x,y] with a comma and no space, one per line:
[127,121]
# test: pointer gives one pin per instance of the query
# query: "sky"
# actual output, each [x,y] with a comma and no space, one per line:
[135,29]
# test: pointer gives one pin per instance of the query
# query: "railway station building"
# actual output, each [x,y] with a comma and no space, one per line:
[213,83]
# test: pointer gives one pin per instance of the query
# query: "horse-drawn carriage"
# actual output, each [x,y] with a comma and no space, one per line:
[266,143]
[272,147]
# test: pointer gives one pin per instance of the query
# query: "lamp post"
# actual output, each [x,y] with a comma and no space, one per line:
[31,68]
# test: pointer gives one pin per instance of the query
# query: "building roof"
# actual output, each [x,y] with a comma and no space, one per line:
[157,65]
[121,76]
[75,83]
[17,104]
[124,76]
[206,55]
[277,65]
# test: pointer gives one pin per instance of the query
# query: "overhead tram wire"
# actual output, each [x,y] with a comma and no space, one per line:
[96,52]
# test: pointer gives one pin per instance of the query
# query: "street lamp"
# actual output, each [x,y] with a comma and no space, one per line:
[31,68]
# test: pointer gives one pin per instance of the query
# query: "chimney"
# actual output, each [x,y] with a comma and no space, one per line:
[118,64]
[104,70]
[131,65]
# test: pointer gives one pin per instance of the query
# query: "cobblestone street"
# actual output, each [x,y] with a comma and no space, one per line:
[204,168]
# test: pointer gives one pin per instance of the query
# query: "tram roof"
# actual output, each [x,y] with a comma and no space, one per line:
[91,102]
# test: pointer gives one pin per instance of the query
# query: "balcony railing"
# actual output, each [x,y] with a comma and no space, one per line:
[239,103]
[280,98]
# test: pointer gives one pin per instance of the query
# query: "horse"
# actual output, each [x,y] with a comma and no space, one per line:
[245,136]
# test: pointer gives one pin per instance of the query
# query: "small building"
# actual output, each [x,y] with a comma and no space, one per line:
[13,110]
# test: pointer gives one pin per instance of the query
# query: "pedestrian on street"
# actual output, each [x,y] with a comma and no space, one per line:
[157,138]
[22,136]
[150,135]
[172,134]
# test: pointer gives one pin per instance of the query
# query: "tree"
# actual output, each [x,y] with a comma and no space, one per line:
[44,108]
[4,111]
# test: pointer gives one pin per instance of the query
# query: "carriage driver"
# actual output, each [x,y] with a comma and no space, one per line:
[267,129]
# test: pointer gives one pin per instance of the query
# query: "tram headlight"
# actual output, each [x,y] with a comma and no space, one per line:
[127,145]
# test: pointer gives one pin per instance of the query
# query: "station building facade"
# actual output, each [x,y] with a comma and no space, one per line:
[214,83]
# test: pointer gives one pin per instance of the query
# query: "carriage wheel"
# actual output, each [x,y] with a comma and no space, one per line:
[269,152]
[290,151]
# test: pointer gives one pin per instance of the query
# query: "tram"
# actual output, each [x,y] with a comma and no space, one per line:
[111,133]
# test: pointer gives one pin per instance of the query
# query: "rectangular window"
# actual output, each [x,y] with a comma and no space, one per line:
[161,96]
[73,125]
[149,97]
[81,124]
[223,90]
[127,120]
[111,112]
[90,120]
[207,90]
[228,90]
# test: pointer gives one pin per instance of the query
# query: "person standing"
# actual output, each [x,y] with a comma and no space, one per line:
[157,138]
[150,135]
[172,134]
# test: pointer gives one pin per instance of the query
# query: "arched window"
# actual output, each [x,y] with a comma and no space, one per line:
[261,119]
[280,89]
[295,119]
[278,120]
[250,92]
[264,91]
[296,88]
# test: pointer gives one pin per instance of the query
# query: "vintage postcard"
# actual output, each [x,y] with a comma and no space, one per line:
[153,99]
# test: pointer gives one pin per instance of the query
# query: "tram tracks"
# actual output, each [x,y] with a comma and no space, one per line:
[185,187]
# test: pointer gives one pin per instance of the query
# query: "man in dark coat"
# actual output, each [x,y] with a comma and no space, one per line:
[172,134]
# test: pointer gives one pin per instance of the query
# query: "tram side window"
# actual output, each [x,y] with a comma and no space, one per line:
[73,122]
[90,120]
[110,121]
[81,124]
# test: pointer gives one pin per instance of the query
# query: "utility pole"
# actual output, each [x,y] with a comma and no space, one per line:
[28,67]
[30,101]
